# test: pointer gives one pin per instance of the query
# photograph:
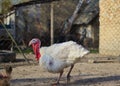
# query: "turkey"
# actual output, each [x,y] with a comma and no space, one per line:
[58,56]
[5,77]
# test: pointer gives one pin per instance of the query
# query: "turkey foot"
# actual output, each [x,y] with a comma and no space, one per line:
[68,78]
[55,84]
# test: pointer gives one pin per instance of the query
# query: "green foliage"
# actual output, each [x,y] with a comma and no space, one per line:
[94,51]
[26,50]
[5,5]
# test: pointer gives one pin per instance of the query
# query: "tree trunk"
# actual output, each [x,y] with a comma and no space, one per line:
[68,23]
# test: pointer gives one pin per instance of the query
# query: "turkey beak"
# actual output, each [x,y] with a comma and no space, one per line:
[30,43]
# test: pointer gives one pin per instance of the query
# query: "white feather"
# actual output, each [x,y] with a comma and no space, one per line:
[59,56]
[51,64]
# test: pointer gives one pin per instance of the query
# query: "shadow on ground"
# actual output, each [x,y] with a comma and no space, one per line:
[76,82]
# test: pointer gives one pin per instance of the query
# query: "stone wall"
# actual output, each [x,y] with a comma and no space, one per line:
[110,27]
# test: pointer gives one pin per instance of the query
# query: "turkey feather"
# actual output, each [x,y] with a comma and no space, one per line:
[58,56]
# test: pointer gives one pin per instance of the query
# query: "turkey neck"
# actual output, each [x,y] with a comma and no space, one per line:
[36,47]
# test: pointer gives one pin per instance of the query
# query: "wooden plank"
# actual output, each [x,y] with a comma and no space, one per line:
[103,61]
[51,28]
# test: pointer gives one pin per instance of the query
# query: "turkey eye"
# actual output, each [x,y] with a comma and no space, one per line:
[34,41]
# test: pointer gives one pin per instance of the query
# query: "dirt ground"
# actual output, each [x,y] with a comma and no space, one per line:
[83,74]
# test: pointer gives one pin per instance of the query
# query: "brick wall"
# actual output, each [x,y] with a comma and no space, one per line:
[110,27]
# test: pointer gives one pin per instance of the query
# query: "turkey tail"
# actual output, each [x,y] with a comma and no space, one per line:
[76,52]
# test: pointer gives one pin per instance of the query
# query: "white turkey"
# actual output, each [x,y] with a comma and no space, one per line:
[58,56]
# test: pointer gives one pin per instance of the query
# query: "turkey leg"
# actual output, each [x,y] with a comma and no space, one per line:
[58,78]
[68,75]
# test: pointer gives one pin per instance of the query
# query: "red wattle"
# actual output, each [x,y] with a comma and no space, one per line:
[36,50]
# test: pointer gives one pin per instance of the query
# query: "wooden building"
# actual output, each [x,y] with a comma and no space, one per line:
[28,20]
